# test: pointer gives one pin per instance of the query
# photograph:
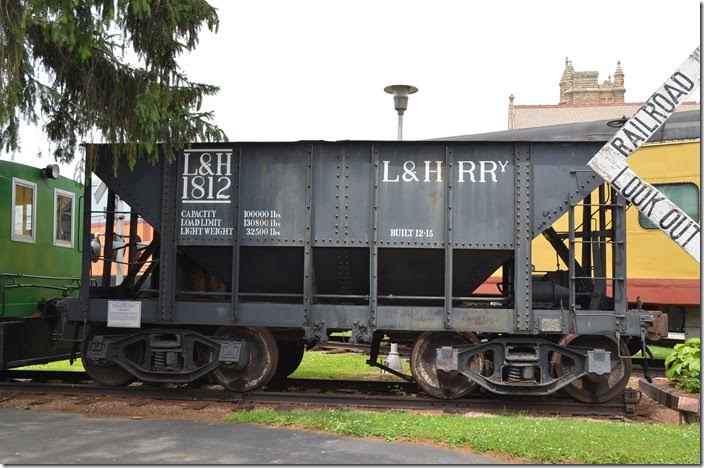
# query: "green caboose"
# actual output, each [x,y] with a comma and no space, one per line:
[40,261]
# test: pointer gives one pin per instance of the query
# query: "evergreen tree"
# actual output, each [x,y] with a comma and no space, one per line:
[64,60]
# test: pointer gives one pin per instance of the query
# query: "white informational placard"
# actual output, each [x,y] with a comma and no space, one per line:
[124,314]
[610,162]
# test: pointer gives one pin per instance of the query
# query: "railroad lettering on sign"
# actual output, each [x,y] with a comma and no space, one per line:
[652,203]
[261,223]
[203,223]
[207,179]
[431,171]
[611,164]
[205,192]
[411,233]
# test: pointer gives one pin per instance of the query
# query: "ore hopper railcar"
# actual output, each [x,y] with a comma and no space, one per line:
[263,248]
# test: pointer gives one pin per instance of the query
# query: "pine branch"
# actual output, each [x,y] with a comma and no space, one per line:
[149,110]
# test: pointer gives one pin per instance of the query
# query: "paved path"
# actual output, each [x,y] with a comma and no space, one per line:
[63,438]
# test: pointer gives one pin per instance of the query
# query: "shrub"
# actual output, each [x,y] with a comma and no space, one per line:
[683,365]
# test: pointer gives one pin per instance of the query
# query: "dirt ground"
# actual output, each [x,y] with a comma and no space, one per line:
[647,410]
[135,408]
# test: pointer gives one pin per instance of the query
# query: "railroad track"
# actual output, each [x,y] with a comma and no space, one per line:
[318,393]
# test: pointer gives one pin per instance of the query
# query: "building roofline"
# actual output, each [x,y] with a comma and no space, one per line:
[561,106]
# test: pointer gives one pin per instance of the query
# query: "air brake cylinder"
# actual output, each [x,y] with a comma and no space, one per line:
[548,291]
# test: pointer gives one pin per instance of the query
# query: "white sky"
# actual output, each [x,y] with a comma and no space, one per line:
[297,70]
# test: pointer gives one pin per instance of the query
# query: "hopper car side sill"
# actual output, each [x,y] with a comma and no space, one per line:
[489,320]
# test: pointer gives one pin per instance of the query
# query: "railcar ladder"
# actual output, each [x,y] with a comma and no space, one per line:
[610,231]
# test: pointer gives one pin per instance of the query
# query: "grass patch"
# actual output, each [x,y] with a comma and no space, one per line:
[659,352]
[543,440]
[56,366]
[318,365]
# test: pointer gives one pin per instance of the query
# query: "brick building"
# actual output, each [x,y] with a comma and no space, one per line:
[582,99]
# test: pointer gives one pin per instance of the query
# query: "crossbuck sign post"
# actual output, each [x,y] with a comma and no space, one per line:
[610,162]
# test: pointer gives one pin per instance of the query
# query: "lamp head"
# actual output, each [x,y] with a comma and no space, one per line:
[400,93]
[51,171]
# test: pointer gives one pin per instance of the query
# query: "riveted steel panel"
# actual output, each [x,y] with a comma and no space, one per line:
[523,206]
[483,189]
[411,195]
[560,176]
[341,175]
[167,247]
[273,193]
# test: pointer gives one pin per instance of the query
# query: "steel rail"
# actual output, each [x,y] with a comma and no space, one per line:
[44,376]
[378,386]
[554,405]
[372,385]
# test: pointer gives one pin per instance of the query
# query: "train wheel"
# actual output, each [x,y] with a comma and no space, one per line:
[443,385]
[594,388]
[104,373]
[261,365]
[290,357]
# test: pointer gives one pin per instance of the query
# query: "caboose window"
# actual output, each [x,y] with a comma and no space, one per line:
[24,210]
[63,218]
[684,195]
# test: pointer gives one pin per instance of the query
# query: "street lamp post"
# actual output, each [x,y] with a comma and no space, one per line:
[400,93]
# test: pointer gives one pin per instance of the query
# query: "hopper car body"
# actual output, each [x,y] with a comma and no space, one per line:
[262,248]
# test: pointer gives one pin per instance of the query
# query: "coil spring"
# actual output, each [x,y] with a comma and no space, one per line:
[159,359]
[514,374]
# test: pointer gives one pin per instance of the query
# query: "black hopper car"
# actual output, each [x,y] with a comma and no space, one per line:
[262,249]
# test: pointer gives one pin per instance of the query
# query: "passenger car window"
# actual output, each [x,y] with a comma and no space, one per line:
[684,195]
[23,210]
[63,218]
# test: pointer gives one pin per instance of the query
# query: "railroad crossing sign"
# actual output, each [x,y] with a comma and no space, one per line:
[611,160]
[100,191]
